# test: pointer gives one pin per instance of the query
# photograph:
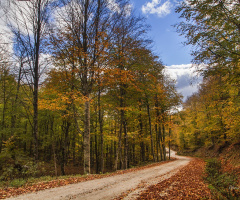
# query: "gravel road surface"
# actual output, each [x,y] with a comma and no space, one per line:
[132,184]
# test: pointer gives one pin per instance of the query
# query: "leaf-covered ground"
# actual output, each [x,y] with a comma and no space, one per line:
[186,184]
[7,192]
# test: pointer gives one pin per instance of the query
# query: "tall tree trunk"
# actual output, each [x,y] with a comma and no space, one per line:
[170,130]
[74,148]
[100,117]
[163,142]
[65,128]
[157,146]
[4,107]
[86,92]
[150,130]
[160,140]
[54,159]
[36,80]
[35,120]
[86,137]
[96,150]
[53,145]
[122,126]
[141,133]
[158,129]
[62,164]
[125,145]
[96,145]
[119,149]
[13,120]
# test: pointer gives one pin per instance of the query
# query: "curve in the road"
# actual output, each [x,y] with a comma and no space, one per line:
[111,187]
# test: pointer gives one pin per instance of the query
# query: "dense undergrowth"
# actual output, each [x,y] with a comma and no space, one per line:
[222,169]
[223,185]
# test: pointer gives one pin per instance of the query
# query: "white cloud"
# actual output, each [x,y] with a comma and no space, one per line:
[188,91]
[187,80]
[5,33]
[176,71]
[113,6]
[19,16]
[128,9]
[157,7]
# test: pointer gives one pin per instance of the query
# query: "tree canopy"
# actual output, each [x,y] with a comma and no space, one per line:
[86,111]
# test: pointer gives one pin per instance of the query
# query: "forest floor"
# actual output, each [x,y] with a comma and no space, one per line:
[186,184]
[178,179]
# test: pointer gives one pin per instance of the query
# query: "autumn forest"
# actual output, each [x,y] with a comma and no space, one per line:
[82,91]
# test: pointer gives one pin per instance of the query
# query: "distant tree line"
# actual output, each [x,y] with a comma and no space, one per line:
[212,115]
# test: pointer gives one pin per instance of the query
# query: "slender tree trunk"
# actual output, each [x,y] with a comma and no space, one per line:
[150,130]
[160,140]
[100,116]
[92,152]
[96,151]
[122,126]
[74,148]
[170,130]
[4,106]
[53,146]
[62,165]
[13,120]
[36,80]
[54,159]
[119,147]
[86,137]
[157,146]
[158,129]
[163,142]
[35,119]
[86,92]
[65,129]
[125,145]
[96,145]
[66,142]
[141,134]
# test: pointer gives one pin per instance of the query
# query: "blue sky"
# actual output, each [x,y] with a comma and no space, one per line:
[167,43]
[160,14]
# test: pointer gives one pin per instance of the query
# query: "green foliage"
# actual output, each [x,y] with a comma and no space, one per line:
[213,28]
[212,114]
[221,184]
[14,164]
[182,141]
[213,169]
[17,182]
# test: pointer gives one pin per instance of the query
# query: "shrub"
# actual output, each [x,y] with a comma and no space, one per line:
[17,182]
[14,164]
[212,169]
[222,185]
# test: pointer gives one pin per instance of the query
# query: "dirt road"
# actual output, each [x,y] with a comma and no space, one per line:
[108,188]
